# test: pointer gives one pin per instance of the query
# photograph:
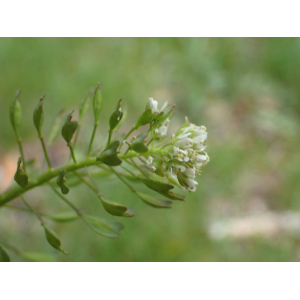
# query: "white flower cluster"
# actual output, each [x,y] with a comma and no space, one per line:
[187,156]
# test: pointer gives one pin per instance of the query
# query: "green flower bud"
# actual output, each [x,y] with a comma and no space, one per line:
[15,113]
[97,102]
[109,155]
[138,143]
[69,127]
[116,117]
[38,116]
[21,177]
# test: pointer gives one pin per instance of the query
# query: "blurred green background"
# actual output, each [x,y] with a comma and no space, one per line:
[246,92]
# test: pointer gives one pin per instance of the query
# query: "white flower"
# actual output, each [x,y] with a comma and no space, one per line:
[152,104]
[161,132]
[149,164]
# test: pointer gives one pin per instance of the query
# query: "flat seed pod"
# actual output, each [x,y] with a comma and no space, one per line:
[162,188]
[105,227]
[69,127]
[53,240]
[116,117]
[61,181]
[97,102]
[138,144]
[67,216]
[116,209]
[109,155]
[154,202]
[37,257]
[145,118]
[15,113]
[38,116]
[21,177]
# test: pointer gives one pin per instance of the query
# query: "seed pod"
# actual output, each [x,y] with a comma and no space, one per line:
[15,113]
[61,181]
[38,116]
[154,202]
[109,155]
[145,118]
[116,117]
[138,143]
[53,240]
[116,209]
[84,105]
[69,127]
[21,177]
[97,102]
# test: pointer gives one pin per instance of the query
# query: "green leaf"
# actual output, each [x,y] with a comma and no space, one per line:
[84,105]
[69,127]
[97,102]
[138,143]
[61,181]
[38,116]
[15,113]
[37,257]
[105,227]
[116,117]
[116,209]
[52,239]
[21,177]
[4,257]
[162,188]
[109,155]
[145,118]
[67,216]
[154,202]
[56,127]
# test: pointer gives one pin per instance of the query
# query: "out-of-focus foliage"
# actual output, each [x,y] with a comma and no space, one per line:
[246,92]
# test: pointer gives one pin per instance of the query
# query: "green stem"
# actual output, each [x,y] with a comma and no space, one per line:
[22,153]
[45,152]
[127,135]
[92,139]
[76,135]
[123,180]
[16,191]
[79,213]
[86,182]
[72,152]
[32,210]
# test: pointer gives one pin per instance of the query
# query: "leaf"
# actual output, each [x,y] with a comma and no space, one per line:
[56,127]
[38,116]
[105,227]
[116,209]
[61,181]
[52,239]
[109,155]
[145,118]
[4,257]
[162,188]
[21,177]
[84,105]
[15,113]
[67,216]
[97,102]
[37,256]
[154,202]
[69,127]
[116,117]
[138,144]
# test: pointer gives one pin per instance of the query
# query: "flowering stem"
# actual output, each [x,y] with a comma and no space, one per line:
[32,210]
[127,135]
